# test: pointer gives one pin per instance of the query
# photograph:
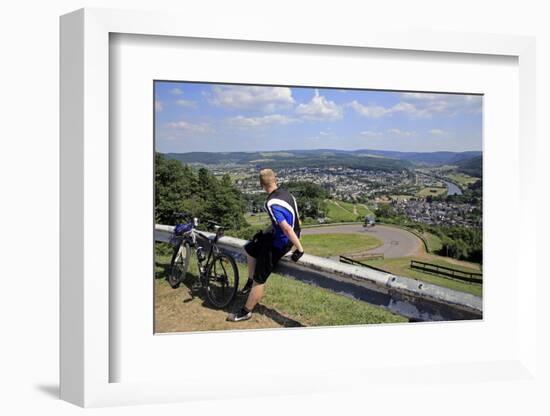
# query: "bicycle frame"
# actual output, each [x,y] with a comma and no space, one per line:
[191,237]
[187,238]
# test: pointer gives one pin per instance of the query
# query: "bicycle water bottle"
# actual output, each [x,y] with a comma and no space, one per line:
[200,254]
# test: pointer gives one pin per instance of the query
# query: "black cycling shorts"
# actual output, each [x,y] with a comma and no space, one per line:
[267,256]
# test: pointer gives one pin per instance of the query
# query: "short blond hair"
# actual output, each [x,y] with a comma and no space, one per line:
[267,177]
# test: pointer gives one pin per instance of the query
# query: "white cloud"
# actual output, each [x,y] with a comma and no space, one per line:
[399,132]
[319,108]
[378,111]
[186,103]
[411,110]
[438,132]
[267,99]
[422,105]
[158,106]
[370,111]
[176,91]
[369,133]
[187,127]
[251,122]
[450,104]
[419,96]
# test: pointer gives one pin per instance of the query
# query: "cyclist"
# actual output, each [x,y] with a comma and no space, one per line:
[269,246]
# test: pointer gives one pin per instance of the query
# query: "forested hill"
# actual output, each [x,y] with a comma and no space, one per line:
[425,158]
[472,167]
[293,159]
[364,158]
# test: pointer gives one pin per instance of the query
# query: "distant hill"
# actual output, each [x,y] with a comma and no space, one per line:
[290,159]
[428,158]
[360,159]
[472,166]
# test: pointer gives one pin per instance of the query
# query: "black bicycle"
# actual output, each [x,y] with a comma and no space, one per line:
[218,273]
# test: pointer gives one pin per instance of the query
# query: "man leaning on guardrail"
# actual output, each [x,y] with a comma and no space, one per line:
[269,246]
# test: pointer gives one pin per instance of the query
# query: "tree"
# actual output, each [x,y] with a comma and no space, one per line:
[179,189]
[310,198]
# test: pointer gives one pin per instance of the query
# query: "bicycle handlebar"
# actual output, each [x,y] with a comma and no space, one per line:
[189,216]
[214,223]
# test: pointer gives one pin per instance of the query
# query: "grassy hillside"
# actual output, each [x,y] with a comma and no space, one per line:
[401,267]
[287,303]
[339,211]
[258,219]
[462,179]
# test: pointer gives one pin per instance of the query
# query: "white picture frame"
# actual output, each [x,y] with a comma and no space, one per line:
[85,210]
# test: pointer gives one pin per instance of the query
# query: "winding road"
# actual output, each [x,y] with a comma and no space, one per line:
[396,241]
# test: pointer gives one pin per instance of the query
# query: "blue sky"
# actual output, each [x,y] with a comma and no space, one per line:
[225,118]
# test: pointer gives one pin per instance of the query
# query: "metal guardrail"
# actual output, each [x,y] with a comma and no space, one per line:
[365,255]
[470,277]
[347,260]
[418,301]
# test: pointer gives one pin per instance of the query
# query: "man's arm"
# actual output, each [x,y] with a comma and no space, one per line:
[289,232]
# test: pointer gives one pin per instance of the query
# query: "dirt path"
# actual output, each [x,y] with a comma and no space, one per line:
[366,207]
[345,209]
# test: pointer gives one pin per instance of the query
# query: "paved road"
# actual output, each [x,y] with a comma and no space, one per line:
[397,242]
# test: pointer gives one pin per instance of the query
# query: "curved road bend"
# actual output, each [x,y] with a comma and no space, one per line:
[396,241]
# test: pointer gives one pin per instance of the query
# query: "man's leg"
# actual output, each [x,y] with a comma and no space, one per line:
[251,265]
[253,298]
[251,261]
[255,295]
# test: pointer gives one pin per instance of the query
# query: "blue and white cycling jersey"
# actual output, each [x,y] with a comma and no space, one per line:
[281,206]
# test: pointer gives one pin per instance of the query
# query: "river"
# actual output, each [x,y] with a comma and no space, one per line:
[452,189]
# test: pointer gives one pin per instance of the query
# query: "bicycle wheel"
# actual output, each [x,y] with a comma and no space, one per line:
[222,280]
[179,264]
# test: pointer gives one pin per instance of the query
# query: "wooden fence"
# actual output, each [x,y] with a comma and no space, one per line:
[447,271]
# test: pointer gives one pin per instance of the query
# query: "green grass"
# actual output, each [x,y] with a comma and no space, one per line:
[338,214]
[313,306]
[354,208]
[462,179]
[306,304]
[363,210]
[434,242]
[326,245]
[401,266]
[260,218]
[432,191]
[340,211]
[458,265]
[346,205]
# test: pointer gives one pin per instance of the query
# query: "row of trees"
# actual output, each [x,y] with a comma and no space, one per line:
[180,189]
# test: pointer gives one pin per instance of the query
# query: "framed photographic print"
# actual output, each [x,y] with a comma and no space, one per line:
[372,166]
[389,182]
